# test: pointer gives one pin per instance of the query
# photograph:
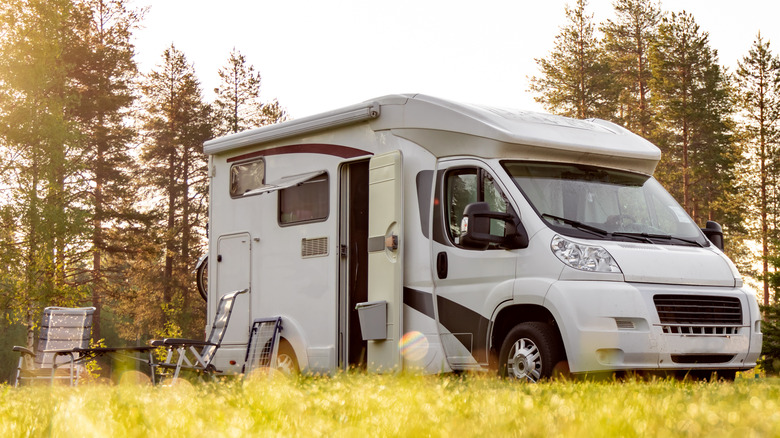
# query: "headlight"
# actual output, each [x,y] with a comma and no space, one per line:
[583,257]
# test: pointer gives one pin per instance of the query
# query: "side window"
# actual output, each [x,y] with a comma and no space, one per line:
[246,176]
[305,202]
[465,186]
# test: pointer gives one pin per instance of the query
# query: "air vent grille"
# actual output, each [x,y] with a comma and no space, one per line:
[317,247]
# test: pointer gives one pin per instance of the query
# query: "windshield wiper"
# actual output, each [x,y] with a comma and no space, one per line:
[644,237]
[691,241]
[649,236]
[577,224]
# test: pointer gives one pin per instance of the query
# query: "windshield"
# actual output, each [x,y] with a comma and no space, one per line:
[592,202]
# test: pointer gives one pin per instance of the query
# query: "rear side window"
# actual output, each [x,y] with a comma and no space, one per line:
[246,176]
[305,202]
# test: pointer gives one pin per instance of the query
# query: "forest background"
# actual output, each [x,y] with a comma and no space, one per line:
[104,182]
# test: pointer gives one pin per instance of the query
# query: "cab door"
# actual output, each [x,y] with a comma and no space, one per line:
[468,283]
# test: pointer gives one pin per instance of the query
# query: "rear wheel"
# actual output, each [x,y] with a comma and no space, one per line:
[286,361]
[530,352]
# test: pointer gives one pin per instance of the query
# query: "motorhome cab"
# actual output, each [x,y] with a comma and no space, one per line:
[410,232]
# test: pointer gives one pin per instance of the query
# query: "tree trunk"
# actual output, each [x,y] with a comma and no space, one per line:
[170,239]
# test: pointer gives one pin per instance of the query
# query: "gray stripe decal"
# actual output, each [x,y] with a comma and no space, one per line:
[419,301]
[456,318]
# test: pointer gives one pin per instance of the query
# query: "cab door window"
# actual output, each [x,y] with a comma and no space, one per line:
[461,191]
[465,186]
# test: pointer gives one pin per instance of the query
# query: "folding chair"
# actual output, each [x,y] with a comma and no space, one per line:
[185,351]
[263,344]
[63,330]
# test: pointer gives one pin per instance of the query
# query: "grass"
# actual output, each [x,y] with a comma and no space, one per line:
[407,405]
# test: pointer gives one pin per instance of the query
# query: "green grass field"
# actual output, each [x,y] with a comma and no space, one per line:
[370,405]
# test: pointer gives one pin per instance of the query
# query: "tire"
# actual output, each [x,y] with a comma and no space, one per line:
[530,352]
[201,278]
[286,361]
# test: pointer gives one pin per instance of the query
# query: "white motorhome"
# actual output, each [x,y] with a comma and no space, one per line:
[467,238]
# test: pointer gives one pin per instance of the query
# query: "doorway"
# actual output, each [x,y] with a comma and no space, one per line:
[353,285]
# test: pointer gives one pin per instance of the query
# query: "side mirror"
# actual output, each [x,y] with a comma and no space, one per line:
[714,232]
[475,228]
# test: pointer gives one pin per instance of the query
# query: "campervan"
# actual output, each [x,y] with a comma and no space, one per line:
[412,232]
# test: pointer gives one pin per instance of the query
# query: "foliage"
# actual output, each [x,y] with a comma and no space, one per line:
[93,367]
[770,326]
[67,73]
[758,102]
[575,80]
[80,223]
[389,405]
[13,334]
[41,53]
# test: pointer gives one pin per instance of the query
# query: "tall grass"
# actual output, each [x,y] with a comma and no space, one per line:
[405,405]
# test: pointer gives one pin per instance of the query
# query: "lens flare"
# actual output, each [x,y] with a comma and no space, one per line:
[413,345]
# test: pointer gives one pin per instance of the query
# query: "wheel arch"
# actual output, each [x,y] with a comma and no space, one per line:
[510,316]
[294,335]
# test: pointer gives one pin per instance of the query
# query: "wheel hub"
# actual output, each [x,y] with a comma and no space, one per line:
[524,361]
[285,364]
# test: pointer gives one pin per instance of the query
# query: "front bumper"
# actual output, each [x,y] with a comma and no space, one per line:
[616,326]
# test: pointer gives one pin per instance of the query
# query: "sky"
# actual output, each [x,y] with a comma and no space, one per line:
[318,55]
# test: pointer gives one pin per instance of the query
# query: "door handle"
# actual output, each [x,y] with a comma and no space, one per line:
[441,265]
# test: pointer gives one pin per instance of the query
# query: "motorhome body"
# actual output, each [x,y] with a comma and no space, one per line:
[482,238]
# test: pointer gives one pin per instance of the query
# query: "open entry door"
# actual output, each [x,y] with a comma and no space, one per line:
[385,255]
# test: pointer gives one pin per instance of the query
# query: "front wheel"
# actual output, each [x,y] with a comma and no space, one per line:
[530,352]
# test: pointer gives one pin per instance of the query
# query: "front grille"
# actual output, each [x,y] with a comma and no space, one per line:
[697,310]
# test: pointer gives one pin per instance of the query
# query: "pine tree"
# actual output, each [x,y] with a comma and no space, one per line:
[692,98]
[238,106]
[758,100]
[627,45]
[40,52]
[176,124]
[104,77]
[575,79]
